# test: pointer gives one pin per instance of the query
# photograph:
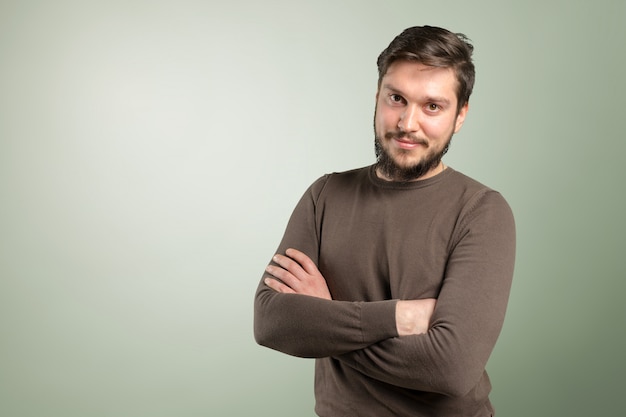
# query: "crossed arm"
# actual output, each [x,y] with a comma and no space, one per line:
[431,353]
[298,274]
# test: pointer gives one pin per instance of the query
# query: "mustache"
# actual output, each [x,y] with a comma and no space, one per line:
[400,135]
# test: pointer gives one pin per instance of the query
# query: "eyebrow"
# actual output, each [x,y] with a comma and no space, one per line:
[390,87]
[429,99]
[440,100]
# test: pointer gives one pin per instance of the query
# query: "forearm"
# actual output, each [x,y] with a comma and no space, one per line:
[307,326]
[448,359]
[445,360]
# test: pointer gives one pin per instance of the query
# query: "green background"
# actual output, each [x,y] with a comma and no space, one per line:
[152,151]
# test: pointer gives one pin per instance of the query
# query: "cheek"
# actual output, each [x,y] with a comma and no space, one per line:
[385,119]
[438,128]
[378,121]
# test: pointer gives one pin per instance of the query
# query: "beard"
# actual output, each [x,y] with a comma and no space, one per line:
[388,166]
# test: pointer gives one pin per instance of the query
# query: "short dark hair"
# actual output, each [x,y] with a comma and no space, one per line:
[437,47]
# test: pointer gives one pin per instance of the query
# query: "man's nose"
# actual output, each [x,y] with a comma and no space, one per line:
[409,119]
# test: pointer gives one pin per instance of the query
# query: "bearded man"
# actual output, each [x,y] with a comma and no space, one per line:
[396,276]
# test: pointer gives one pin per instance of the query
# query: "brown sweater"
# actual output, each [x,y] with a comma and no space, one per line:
[377,242]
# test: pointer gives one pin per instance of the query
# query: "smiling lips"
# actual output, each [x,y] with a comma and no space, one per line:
[406,141]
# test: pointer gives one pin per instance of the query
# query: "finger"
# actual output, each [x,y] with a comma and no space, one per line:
[303,260]
[278,286]
[289,265]
[285,276]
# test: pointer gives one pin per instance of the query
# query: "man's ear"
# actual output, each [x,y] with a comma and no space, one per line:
[460,118]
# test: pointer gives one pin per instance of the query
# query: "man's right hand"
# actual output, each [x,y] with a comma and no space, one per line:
[299,275]
[413,316]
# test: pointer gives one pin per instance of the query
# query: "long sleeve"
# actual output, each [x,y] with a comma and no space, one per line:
[451,358]
[311,327]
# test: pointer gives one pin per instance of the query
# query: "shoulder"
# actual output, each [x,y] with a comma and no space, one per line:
[459,180]
[339,181]
[470,188]
[480,201]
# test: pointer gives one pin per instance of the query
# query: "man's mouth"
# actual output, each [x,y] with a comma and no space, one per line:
[405,140]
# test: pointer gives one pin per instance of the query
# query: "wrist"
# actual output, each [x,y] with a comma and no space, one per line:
[405,319]
[413,316]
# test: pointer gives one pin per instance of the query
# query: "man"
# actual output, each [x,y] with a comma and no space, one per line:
[396,277]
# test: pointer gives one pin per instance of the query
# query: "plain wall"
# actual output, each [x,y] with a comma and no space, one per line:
[152,151]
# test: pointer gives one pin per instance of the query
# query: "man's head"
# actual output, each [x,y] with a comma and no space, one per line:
[434,47]
[426,76]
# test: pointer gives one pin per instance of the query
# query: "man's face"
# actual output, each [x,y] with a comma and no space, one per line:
[416,116]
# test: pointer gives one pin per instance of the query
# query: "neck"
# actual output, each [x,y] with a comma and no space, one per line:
[436,170]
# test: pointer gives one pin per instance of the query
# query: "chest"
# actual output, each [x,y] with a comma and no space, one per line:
[390,245]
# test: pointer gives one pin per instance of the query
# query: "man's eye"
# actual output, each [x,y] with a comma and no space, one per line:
[396,98]
[433,107]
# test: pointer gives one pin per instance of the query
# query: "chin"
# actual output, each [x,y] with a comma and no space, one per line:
[406,161]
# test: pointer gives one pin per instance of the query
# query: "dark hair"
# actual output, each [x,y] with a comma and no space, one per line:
[435,47]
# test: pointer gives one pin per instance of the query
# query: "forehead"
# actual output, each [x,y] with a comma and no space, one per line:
[414,77]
